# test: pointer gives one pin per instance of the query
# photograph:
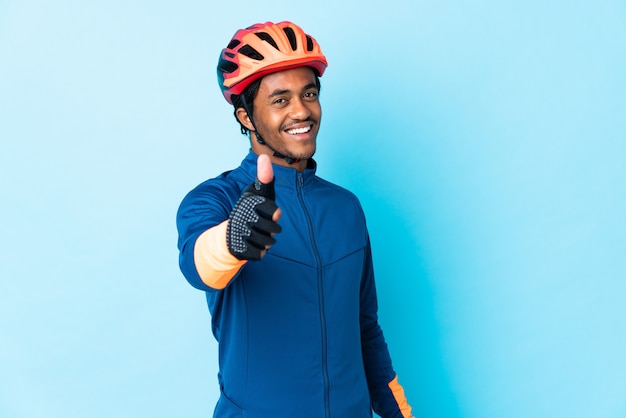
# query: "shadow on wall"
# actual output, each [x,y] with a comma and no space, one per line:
[388,165]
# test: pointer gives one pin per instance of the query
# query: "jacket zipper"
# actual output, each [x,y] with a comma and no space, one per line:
[320,290]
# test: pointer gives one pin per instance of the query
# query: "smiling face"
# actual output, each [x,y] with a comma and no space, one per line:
[287,113]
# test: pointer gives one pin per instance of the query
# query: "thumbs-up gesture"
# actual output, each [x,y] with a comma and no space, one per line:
[253,220]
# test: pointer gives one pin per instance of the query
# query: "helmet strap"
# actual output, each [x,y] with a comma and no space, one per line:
[260,139]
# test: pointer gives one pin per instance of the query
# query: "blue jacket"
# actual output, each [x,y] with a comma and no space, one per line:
[298,331]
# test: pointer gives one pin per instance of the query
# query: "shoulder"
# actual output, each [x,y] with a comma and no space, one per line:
[212,188]
[216,195]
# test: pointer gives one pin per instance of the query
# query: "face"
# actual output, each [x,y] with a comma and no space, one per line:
[287,114]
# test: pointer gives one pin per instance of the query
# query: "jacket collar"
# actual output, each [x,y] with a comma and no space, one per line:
[286,178]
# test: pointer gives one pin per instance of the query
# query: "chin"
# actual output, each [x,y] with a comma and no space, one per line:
[305,155]
[298,152]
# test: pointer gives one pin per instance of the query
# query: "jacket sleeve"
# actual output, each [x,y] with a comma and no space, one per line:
[204,258]
[387,396]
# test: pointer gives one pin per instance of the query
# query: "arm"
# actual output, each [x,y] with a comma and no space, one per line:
[216,238]
[201,221]
[388,399]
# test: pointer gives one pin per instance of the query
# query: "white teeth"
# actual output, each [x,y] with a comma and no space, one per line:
[299,130]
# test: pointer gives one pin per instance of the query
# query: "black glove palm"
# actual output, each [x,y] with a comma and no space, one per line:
[250,225]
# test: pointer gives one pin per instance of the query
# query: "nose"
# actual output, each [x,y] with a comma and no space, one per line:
[299,109]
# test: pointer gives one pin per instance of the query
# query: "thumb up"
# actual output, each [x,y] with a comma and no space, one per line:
[253,221]
[265,172]
[264,184]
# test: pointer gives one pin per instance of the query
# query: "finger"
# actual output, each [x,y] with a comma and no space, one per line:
[260,240]
[277,215]
[267,209]
[264,183]
[265,226]
[265,172]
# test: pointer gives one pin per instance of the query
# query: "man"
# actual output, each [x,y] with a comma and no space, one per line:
[293,303]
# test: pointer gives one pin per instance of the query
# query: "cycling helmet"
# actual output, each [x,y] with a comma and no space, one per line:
[266,48]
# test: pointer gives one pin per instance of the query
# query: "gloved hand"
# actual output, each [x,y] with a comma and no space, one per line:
[252,222]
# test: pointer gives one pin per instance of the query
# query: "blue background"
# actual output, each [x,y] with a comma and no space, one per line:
[485,139]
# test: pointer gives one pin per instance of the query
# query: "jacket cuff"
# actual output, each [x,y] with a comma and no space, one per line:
[216,266]
[398,394]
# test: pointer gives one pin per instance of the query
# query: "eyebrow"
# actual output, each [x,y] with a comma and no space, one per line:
[281,92]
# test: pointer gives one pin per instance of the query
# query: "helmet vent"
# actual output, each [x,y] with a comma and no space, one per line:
[309,43]
[291,36]
[250,52]
[233,43]
[226,66]
[264,36]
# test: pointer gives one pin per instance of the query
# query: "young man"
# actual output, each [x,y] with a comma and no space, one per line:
[284,256]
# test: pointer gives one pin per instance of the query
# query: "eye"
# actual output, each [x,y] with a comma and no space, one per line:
[279,101]
[310,95]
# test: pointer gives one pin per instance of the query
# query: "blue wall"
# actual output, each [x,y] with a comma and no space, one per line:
[486,141]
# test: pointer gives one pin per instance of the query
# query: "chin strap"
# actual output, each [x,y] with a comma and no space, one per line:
[260,139]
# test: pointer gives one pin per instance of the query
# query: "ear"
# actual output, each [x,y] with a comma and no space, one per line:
[242,116]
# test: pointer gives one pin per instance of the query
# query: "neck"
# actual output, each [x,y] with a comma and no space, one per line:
[264,148]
